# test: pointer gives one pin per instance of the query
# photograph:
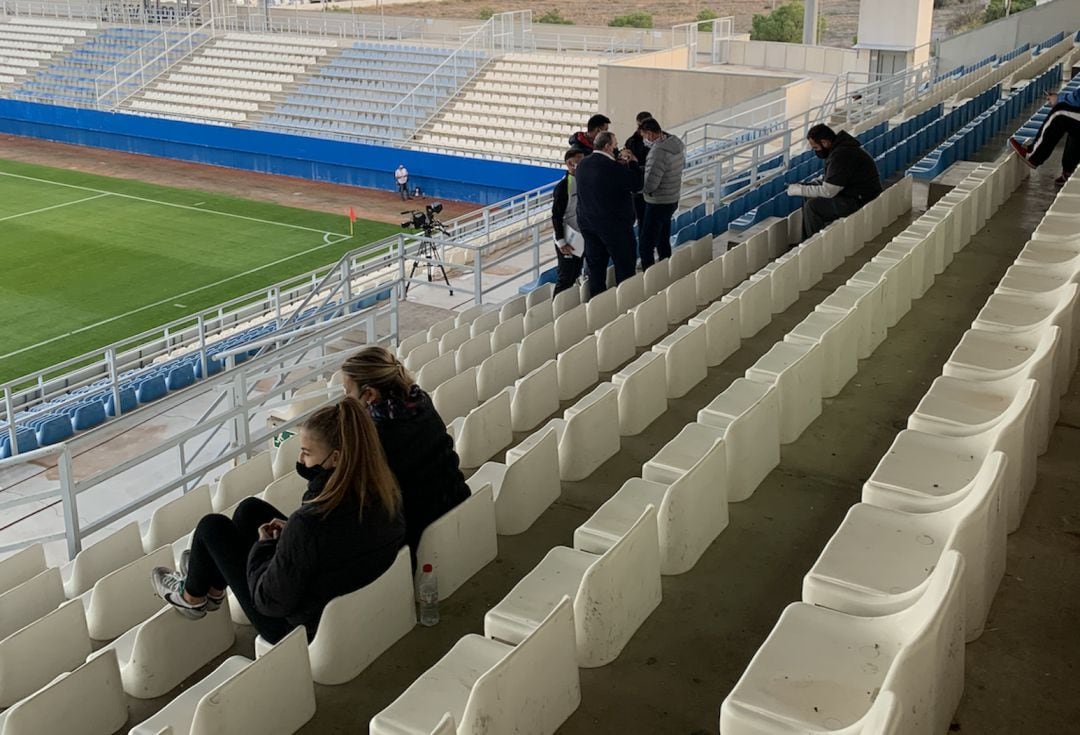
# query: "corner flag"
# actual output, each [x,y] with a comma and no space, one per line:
[352,219]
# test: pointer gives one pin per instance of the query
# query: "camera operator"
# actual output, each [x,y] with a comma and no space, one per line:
[605,210]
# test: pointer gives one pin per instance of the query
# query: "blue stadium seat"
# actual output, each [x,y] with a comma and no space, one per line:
[549,276]
[151,389]
[213,367]
[88,415]
[180,377]
[25,437]
[128,401]
[54,430]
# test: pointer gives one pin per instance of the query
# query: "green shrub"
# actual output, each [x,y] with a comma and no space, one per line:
[637,19]
[706,15]
[553,17]
[486,13]
[996,8]
[784,24]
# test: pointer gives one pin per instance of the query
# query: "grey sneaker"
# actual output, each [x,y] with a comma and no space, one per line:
[213,604]
[169,586]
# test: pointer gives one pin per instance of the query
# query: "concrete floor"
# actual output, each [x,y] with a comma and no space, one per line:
[682,662]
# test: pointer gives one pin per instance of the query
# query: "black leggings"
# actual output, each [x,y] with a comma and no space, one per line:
[1063,120]
[818,212]
[219,553]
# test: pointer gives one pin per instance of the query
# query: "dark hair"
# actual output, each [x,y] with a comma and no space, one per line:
[820,132]
[650,126]
[571,153]
[597,121]
[642,116]
[376,367]
[362,470]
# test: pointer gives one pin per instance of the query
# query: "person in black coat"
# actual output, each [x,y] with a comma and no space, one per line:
[605,211]
[636,145]
[564,226]
[283,572]
[418,448]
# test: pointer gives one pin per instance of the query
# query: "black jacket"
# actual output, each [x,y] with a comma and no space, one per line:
[560,197]
[422,457]
[319,557]
[636,145]
[581,142]
[604,193]
[849,166]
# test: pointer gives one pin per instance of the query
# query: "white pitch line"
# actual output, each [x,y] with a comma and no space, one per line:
[167,204]
[55,206]
[174,299]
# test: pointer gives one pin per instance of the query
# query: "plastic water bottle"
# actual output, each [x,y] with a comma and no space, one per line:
[429,597]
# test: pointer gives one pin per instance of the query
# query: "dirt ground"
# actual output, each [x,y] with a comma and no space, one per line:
[372,204]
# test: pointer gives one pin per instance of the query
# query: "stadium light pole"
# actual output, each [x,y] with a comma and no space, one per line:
[810,23]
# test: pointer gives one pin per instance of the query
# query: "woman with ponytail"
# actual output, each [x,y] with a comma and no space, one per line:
[413,435]
[346,533]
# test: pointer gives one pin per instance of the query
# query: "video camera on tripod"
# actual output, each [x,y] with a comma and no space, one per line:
[427,221]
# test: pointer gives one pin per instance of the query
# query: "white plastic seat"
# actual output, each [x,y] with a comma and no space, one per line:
[684,359]
[484,323]
[536,348]
[879,560]
[497,372]
[34,655]
[723,328]
[1010,313]
[587,433]
[538,315]
[410,343]
[796,371]
[97,560]
[691,506]
[89,700]
[357,628]
[784,274]
[156,656]
[540,295]
[26,602]
[757,250]
[492,687]
[919,248]
[480,435]
[441,327]
[642,394]
[469,315]
[630,292]
[534,397]
[453,339]
[284,462]
[457,396]
[615,343]
[526,485]
[1001,412]
[564,301]
[613,594]
[273,694]
[304,398]
[436,371]
[657,277]
[681,263]
[176,518]
[837,333]
[508,333]
[122,599]
[571,328]
[245,479]
[578,368]
[709,282]
[701,251]
[513,308]
[460,543]
[811,261]
[876,272]
[748,415]
[736,269]
[601,310]
[811,675]
[472,352]
[650,320]
[868,303]
[21,566]
[421,355]
[755,305]
[285,493]
[833,246]
[681,299]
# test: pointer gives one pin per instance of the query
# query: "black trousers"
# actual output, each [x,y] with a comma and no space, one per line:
[570,267]
[818,212]
[655,236]
[1063,120]
[403,189]
[219,553]
[639,210]
[1070,159]
[616,245]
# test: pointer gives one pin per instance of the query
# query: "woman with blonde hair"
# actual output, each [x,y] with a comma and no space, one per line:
[413,435]
[346,533]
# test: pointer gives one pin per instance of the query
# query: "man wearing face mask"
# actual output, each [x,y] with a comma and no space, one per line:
[662,189]
[564,224]
[851,179]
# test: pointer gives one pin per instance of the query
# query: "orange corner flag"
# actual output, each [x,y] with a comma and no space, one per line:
[352,219]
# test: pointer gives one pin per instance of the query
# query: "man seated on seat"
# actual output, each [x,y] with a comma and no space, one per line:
[1062,122]
[851,179]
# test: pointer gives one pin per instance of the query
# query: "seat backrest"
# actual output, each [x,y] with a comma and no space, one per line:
[90,699]
[498,371]
[485,431]
[26,602]
[484,323]
[983,495]
[472,352]
[884,717]
[22,566]
[122,599]
[630,292]
[33,656]
[453,339]
[468,315]
[460,542]
[514,307]
[247,478]
[410,343]
[657,277]
[538,295]
[275,688]
[286,492]
[571,327]
[508,332]
[357,628]
[536,348]
[285,455]
[538,315]
[421,355]
[602,309]
[108,554]
[457,396]
[500,696]
[564,301]
[439,328]
[437,371]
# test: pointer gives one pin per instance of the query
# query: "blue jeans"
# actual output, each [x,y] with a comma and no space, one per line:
[655,233]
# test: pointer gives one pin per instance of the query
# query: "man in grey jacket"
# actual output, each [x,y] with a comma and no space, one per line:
[663,186]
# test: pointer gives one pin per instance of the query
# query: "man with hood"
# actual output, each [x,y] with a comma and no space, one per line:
[662,188]
[583,141]
[851,179]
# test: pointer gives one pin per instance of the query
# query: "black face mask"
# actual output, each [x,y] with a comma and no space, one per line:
[821,153]
[309,473]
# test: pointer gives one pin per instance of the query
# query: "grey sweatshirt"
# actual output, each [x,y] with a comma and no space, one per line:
[663,171]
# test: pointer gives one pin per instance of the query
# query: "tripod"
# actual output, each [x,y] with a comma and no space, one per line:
[428,251]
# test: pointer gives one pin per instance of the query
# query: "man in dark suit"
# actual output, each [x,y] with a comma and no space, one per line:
[606,182]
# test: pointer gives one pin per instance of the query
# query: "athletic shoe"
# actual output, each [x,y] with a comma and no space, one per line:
[1021,150]
[1063,179]
[213,604]
[169,586]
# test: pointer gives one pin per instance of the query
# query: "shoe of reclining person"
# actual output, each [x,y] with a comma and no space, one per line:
[1064,178]
[213,604]
[1022,151]
[169,586]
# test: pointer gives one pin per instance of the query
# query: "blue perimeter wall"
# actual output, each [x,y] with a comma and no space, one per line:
[356,164]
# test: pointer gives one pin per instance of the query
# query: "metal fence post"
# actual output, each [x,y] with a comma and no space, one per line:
[71,510]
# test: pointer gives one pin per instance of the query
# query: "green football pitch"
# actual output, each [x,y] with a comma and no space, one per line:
[89,260]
